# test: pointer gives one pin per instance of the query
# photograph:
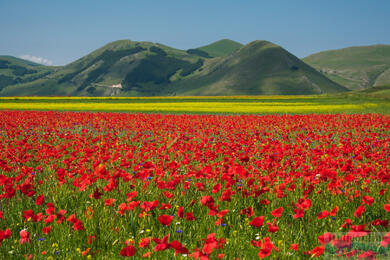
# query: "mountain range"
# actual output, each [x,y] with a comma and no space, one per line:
[129,68]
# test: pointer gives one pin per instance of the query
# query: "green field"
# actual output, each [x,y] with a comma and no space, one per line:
[343,103]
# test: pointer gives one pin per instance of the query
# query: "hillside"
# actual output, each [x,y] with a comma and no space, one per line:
[128,68]
[354,67]
[258,68]
[221,48]
[15,71]
[379,92]
[119,68]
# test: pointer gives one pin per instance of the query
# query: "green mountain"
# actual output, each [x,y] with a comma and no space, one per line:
[220,48]
[15,71]
[355,67]
[127,68]
[258,68]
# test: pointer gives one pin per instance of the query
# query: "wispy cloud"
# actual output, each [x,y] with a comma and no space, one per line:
[35,59]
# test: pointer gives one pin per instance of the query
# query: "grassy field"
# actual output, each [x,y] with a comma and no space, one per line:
[230,105]
[355,67]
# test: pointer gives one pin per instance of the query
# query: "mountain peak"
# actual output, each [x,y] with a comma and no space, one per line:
[221,48]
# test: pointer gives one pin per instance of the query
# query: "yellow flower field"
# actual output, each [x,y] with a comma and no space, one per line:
[191,107]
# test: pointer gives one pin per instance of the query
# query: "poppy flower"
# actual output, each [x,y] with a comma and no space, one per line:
[387,207]
[97,194]
[205,200]
[128,251]
[326,238]
[109,202]
[277,213]
[179,248]
[323,214]
[368,200]
[266,248]
[85,252]
[180,212]
[4,234]
[161,244]
[272,227]
[144,243]
[299,213]
[40,200]
[334,211]
[294,247]
[359,211]
[317,251]
[190,216]
[386,240]
[248,211]
[46,230]
[257,221]
[211,243]
[367,255]
[24,237]
[165,206]
[216,188]
[165,220]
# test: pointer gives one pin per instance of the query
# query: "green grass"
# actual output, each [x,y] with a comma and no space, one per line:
[221,48]
[354,67]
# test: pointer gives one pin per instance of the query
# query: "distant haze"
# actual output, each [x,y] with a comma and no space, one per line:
[58,32]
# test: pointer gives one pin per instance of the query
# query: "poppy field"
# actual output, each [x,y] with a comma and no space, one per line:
[77,185]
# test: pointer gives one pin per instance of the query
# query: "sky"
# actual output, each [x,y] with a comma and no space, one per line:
[57,32]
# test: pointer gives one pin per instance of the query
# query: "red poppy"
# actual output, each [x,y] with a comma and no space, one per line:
[210,244]
[359,211]
[109,202]
[334,211]
[386,240]
[180,212]
[190,216]
[24,237]
[216,188]
[294,247]
[326,238]
[205,200]
[128,251]
[97,194]
[257,221]
[272,228]
[161,244]
[144,243]
[40,200]
[46,230]
[387,207]
[299,213]
[323,214]
[179,248]
[248,211]
[317,251]
[85,252]
[165,206]
[266,248]
[4,234]
[277,213]
[165,220]
[368,200]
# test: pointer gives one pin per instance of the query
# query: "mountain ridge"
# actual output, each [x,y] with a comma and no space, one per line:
[129,68]
[356,67]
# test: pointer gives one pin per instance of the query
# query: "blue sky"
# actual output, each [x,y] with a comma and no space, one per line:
[59,32]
